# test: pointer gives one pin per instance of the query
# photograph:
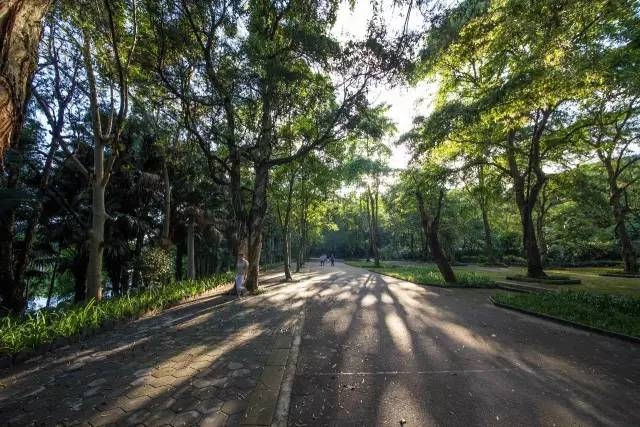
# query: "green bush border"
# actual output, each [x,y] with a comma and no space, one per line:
[614,315]
[44,330]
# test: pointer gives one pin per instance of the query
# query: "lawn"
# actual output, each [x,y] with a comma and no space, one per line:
[591,280]
[427,275]
[615,313]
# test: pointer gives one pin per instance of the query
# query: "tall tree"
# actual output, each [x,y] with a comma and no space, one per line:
[511,70]
[614,135]
[108,44]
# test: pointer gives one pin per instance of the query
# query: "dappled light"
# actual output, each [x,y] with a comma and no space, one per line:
[319,213]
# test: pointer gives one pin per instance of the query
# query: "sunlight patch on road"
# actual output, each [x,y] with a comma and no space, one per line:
[398,331]
[397,399]
[369,300]
[385,298]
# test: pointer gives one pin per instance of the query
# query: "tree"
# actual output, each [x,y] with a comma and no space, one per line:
[427,183]
[108,43]
[483,193]
[369,168]
[264,87]
[511,70]
[613,134]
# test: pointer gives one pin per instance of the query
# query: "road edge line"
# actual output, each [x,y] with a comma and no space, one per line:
[280,418]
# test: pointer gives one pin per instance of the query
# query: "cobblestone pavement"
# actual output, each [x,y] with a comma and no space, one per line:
[200,363]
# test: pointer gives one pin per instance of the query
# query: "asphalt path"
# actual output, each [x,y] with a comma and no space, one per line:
[381,351]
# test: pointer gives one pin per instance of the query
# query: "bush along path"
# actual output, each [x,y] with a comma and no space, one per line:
[615,314]
[32,334]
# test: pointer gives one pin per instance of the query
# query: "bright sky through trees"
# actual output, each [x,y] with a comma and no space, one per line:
[405,101]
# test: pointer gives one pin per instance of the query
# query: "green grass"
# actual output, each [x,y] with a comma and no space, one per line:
[614,313]
[591,280]
[43,327]
[365,264]
[427,275]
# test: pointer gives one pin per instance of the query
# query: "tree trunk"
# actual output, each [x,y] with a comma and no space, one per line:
[256,221]
[124,281]
[534,260]
[96,235]
[627,251]
[286,246]
[286,234]
[302,239]
[191,260]
[20,32]
[542,243]
[430,229]
[488,240]
[373,226]
[167,205]
[526,195]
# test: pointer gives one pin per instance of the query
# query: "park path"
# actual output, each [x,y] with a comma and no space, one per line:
[370,350]
[377,351]
[212,362]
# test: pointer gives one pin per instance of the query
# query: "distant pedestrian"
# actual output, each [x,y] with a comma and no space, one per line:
[242,267]
[333,260]
[323,258]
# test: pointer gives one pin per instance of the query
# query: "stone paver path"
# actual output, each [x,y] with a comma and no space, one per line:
[200,363]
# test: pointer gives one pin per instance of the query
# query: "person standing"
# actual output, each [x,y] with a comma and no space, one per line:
[242,267]
[333,260]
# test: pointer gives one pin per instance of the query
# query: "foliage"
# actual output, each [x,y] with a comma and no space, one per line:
[156,265]
[33,330]
[615,313]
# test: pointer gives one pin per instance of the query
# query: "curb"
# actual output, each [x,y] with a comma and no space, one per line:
[268,403]
[566,322]
[620,275]
[284,399]
[521,287]
[549,281]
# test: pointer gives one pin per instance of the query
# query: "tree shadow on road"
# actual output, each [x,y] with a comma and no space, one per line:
[377,350]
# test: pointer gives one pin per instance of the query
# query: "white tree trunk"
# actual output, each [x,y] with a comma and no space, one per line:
[191,259]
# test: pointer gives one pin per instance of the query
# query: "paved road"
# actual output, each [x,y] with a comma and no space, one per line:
[372,351]
[377,350]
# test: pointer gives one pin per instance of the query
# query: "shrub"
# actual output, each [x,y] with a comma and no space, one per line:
[35,329]
[616,313]
[514,260]
[156,265]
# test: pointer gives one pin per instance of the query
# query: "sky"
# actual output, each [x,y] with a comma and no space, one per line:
[405,102]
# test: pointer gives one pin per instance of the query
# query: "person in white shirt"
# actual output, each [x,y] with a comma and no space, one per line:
[323,258]
[242,267]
